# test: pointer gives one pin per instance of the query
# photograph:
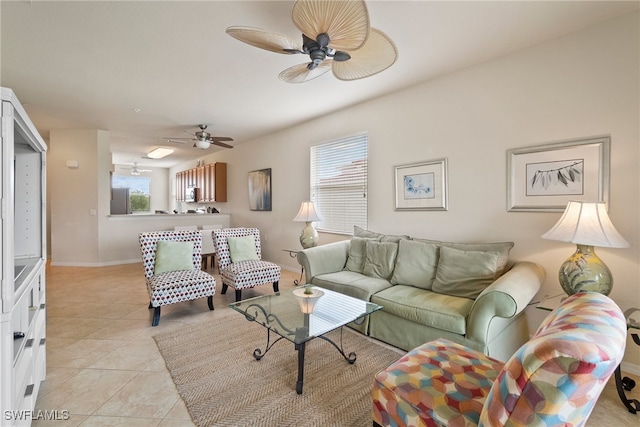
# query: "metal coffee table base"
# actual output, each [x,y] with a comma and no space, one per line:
[300,348]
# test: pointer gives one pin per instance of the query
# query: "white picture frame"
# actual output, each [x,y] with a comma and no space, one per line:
[544,178]
[421,186]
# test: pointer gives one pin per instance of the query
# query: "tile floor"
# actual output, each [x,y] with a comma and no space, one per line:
[103,365]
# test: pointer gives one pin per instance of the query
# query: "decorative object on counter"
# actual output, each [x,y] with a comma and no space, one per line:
[307,298]
[587,225]
[260,190]
[307,214]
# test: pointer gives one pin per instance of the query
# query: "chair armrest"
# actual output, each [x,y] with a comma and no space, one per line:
[506,297]
[323,259]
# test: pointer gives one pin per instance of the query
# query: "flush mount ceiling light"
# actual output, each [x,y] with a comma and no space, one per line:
[160,152]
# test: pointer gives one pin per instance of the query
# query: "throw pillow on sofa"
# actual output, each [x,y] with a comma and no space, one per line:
[465,273]
[357,251]
[380,259]
[416,264]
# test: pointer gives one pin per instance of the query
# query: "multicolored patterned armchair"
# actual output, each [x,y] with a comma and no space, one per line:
[243,270]
[179,278]
[552,380]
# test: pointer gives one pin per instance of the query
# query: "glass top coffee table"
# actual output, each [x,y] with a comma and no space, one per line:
[282,314]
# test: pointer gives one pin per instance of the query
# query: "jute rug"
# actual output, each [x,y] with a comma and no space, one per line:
[221,383]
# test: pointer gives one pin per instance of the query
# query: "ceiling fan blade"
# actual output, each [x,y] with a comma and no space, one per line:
[376,55]
[273,42]
[346,22]
[221,144]
[219,138]
[301,73]
[179,140]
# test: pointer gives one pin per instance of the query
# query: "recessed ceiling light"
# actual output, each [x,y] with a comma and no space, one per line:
[160,152]
[136,110]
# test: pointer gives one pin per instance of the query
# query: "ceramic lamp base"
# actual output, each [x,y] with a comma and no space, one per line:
[309,236]
[585,272]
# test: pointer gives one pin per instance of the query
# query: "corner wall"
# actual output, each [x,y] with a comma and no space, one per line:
[580,85]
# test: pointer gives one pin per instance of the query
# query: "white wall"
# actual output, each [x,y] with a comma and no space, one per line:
[581,85]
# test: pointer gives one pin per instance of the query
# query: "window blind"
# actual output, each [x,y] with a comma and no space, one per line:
[339,183]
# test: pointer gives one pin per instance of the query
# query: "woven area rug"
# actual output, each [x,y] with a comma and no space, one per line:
[221,383]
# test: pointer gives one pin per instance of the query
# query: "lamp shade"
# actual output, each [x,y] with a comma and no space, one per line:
[307,213]
[586,223]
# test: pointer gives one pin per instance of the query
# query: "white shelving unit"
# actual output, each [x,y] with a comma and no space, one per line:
[23,252]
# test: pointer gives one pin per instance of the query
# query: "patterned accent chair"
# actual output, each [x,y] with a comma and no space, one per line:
[174,286]
[243,274]
[552,380]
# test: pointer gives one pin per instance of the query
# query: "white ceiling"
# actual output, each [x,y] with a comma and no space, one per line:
[88,64]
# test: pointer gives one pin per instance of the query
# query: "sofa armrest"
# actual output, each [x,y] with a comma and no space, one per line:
[506,297]
[323,259]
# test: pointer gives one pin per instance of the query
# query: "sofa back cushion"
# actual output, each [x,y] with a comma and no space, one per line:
[380,259]
[361,232]
[502,248]
[465,273]
[357,254]
[416,264]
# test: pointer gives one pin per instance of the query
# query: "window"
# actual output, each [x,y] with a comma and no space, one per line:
[139,194]
[339,184]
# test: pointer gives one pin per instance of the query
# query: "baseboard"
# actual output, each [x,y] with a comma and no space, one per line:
[630,368]
[94,264]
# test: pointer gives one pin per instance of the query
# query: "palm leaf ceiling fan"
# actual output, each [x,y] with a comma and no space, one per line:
[203,139]
[335,34]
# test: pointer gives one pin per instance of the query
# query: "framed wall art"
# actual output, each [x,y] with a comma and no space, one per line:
[260,190]
[421,186]
[546,177]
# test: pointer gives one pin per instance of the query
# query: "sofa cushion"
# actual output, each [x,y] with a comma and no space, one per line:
[465,273]
[361,232]
[351,283]
[502,248]
[439,311]
[416,264]
[380,259]
[357,254]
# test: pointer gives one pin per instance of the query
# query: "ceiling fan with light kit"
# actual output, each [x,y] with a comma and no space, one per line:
[335,34]
[203,139]
[136,171]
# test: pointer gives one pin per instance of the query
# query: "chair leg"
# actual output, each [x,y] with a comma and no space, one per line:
[238,295]
[224,289]
[156,316]
[275,286]
[210,302]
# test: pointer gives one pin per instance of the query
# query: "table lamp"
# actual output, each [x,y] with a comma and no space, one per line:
[587,225]
[307,214]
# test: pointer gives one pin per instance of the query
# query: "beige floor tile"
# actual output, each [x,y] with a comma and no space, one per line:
[131,356]
[73,420]
[86,391]
[55,378]
[103,421]
[149,395]
[81,353]
[179,412]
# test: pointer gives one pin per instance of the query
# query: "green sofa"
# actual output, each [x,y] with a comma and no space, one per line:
[465,292]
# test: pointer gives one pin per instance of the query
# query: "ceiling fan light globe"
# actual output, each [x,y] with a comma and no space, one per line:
[202,144]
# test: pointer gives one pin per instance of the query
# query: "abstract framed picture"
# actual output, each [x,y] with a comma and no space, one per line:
[546,177]
[421,186]
[260,190]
